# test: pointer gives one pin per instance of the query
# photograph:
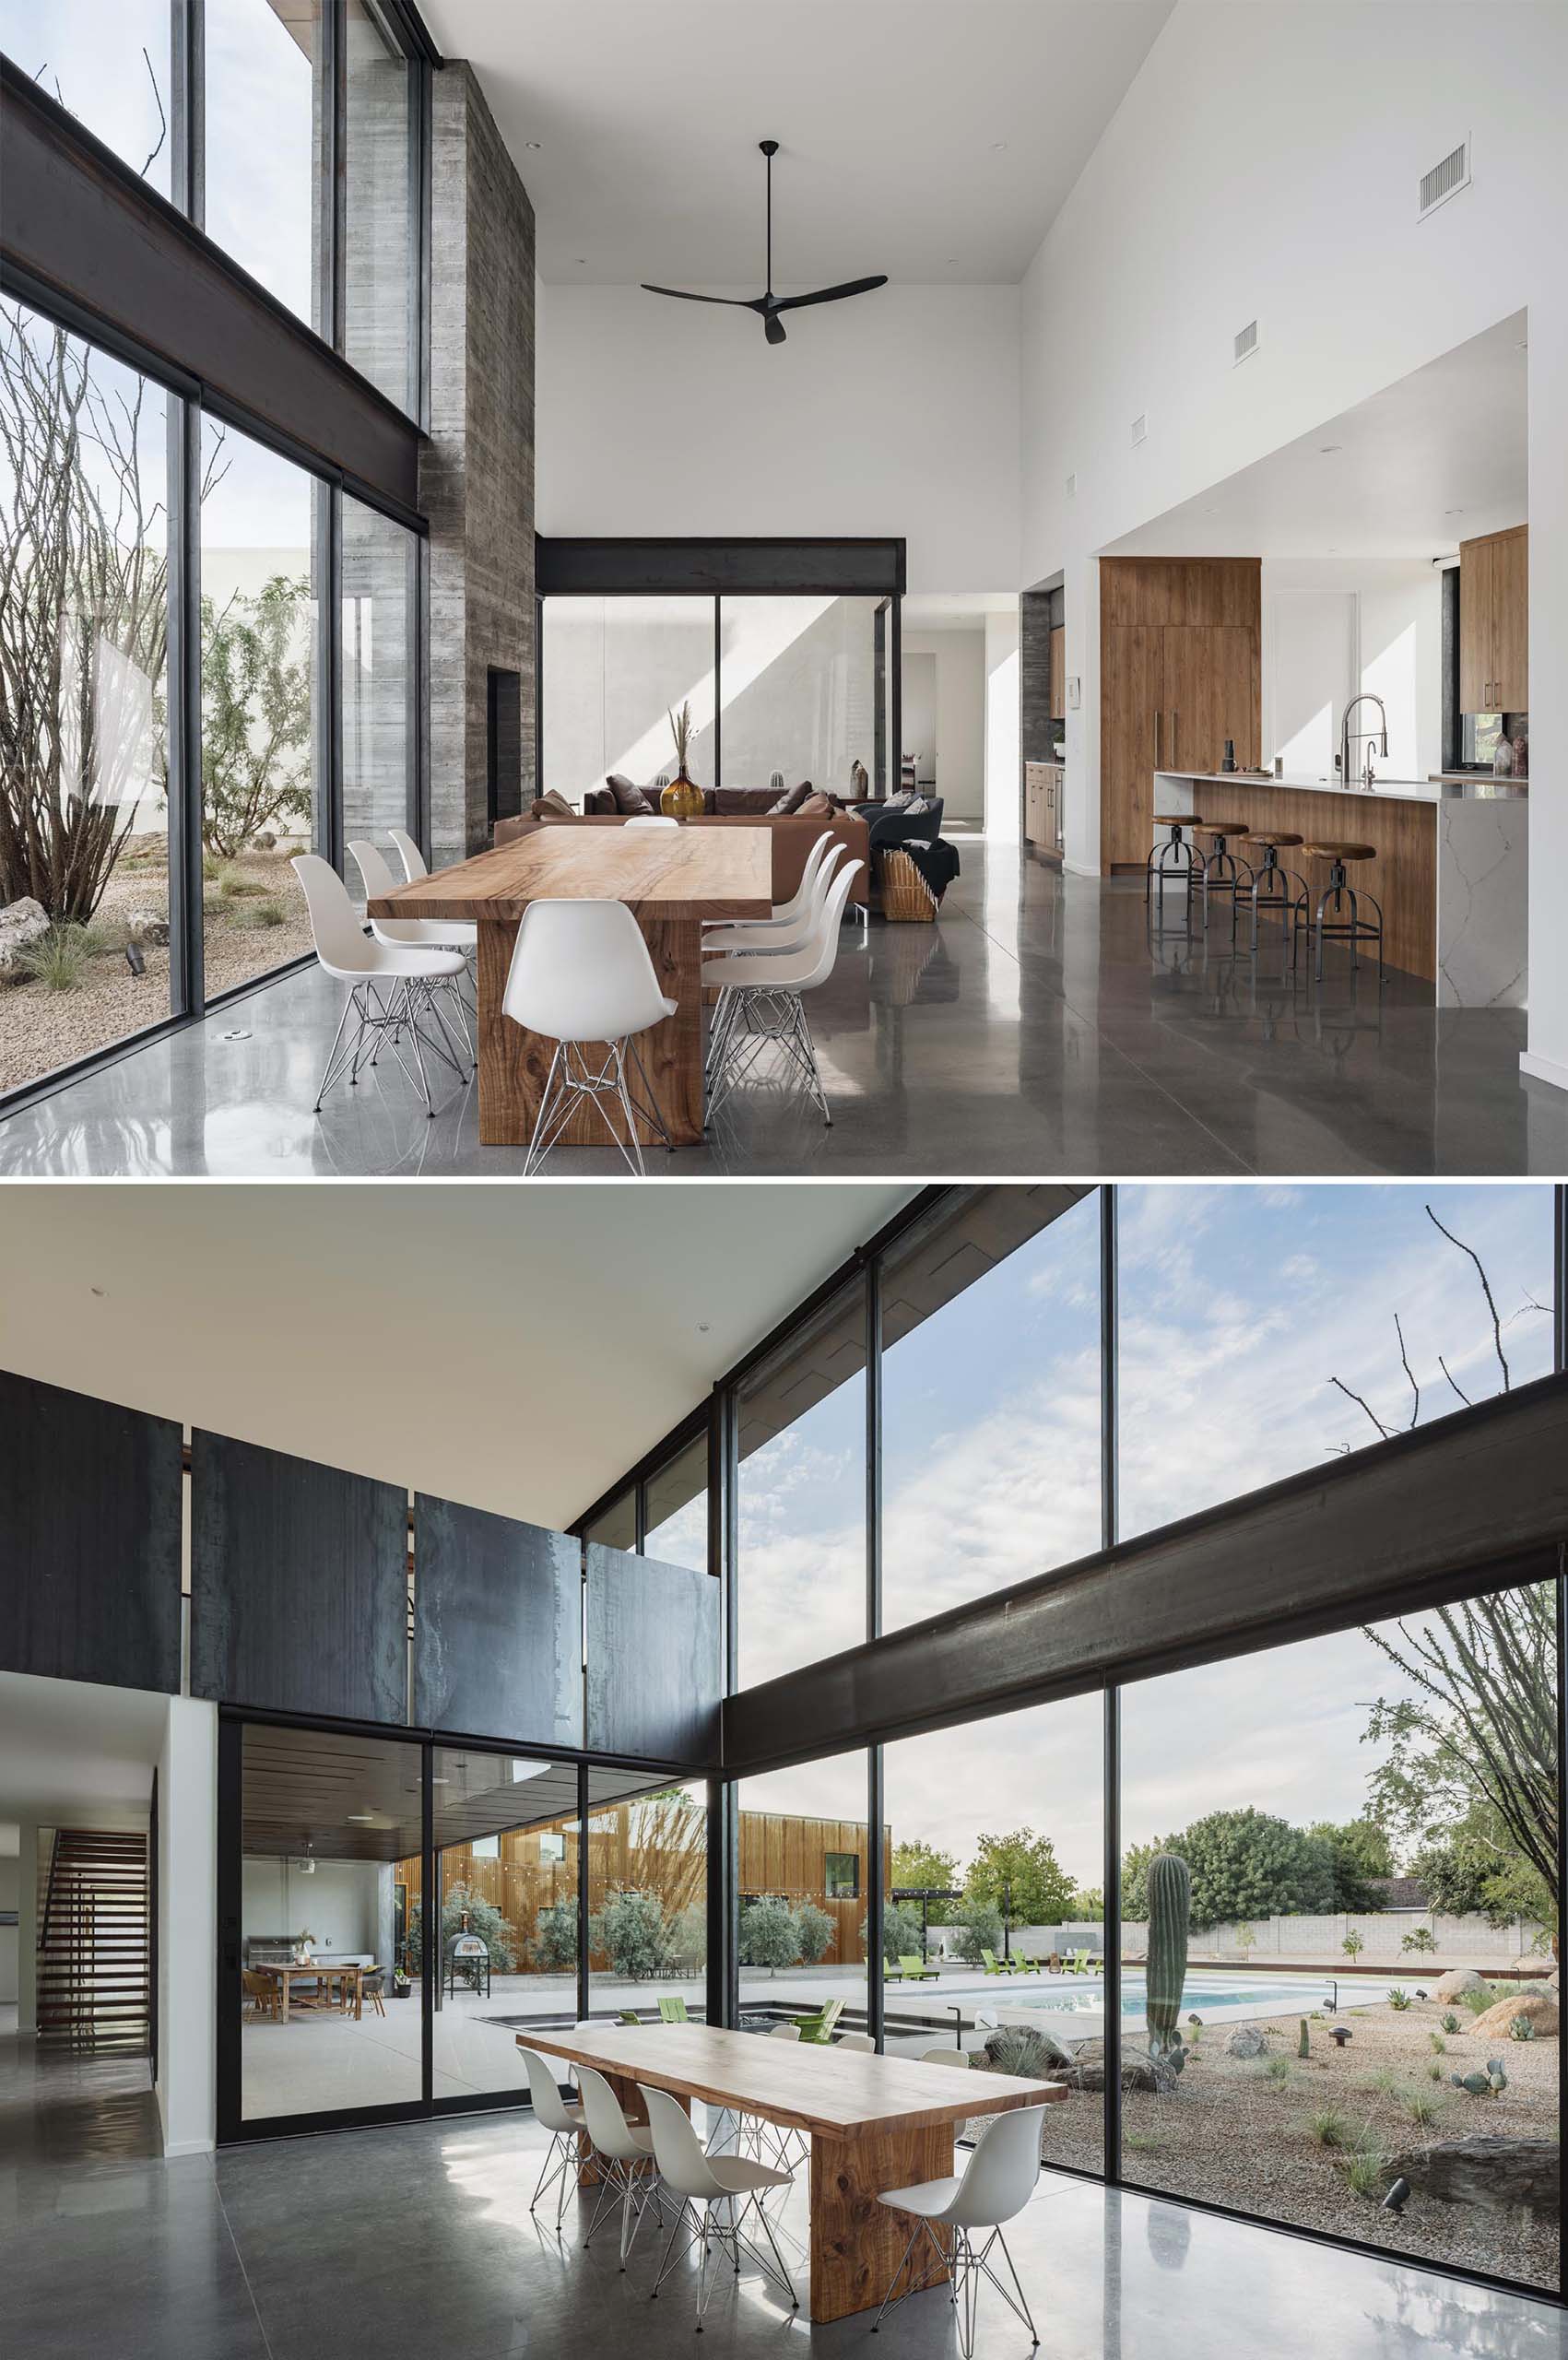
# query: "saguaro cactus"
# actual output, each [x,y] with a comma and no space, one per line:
[1170,1907]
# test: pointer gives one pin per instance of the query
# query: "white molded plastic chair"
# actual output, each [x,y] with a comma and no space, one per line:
[778,934]
[562,2121]
[581,973]
[649,820]
[701,2179]
[392,987]
[860,2042]
[784,2032]
[624,2151]
[716,931]
[958,2057]
[767,1004]
[408,852]
[995,2188]
[417,934]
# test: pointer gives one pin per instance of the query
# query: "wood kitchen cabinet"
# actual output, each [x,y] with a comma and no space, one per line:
[1042,807]
[1179,673]
[1495,640]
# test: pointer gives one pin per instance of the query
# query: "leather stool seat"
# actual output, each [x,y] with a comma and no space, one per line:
[1177,819]
[1341,851]
[1270,836]
[1221,827]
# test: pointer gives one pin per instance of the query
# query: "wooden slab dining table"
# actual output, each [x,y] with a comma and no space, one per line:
[874,2123]
[670,879]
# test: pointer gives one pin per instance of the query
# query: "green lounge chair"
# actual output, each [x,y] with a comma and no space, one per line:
[672,2011]
[911,1968]
[819,2028]
[627,2016]
[994,1965]
[1083,1963]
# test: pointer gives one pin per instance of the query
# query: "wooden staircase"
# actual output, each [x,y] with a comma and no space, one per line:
[94,1946]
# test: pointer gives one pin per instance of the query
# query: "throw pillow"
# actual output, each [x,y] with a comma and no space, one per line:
[796,796]
[629,799]
[817,807]
[557,805]
[914,804]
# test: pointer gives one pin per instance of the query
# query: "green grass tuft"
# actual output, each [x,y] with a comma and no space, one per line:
[1328,2127]
[1277,2069]
[1364,2172]
[1423,2106]
[58,959]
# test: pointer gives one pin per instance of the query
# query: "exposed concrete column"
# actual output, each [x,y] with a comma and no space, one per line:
[26,1930]
[477,475]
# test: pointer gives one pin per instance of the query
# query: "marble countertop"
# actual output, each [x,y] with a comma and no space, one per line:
[1393,790]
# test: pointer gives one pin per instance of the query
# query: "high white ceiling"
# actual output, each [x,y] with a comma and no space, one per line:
[1420,466]
[931,139]
[517,1350]
[68,1748]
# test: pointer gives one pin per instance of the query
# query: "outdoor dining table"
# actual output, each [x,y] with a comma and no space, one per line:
[874,2123]
[670,879]
[314,1971]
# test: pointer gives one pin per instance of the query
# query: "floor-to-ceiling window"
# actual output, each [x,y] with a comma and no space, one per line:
[802,1901]
[647,1894]
[263,722]
[380,99]
[84,735]
[266,123]
[379,569]
[675,1507]
[110,65]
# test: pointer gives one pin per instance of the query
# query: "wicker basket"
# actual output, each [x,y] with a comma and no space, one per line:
[905,893]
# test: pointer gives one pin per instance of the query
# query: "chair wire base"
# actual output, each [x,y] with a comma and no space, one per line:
[963,2268]
[702,2229]
[636,2186]
[558,2171]
[572,1082]
[748,1020]
[410,1011]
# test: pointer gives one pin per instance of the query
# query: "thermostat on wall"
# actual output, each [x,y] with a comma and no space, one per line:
[1072,692]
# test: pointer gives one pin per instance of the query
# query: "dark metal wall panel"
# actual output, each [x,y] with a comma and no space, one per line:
[89,1539]
[79,223]
[823,569]
[1474,1500]
[654,1659]
[498,1626]
[299,1585]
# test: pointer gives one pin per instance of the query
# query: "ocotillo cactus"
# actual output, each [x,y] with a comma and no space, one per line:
[1170,1904]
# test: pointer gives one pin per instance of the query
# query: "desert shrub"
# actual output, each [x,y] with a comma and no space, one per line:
[1399,2000]
[1478,2001]
[1420,1939]
[1328,2127]
[57,959]
[1423,2106]
[485,1920]
[1450,2022]
[1384,2081]
[1277,2069]
[814,1931]
[768,1935]
[982,1929]
[1364,2172]
[633,1933]
[269,913]
[554,1944]
[233,887]
[1435,2071]
[1439,2045]
[688,1934]
[900,1931]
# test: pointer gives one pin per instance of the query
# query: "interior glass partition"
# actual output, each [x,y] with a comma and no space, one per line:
[991,1375]
[262,704]
[84,741]
[798,680]
[507,1847]
[801,1493]
[647,1894]
[326,1819]
[994,1929]
[1363,1832]
[803,1894]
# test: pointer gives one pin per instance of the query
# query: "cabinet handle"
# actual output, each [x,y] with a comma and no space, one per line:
[1176,717]
[1157,738]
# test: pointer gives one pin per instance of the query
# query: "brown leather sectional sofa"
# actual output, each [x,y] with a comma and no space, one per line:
[792,839]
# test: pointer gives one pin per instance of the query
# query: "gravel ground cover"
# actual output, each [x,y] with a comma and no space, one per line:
[1231,2134]
[254,920]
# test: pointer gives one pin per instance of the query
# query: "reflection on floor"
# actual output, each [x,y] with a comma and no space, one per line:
[56,2109]
[419,2240]
[1034,1030]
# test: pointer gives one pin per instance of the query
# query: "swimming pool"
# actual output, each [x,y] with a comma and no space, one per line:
[1213,1994]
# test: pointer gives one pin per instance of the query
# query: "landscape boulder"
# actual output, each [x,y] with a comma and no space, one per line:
[147,925]
[1497,2023]
[1507,2174]
[1456,1982]
[20,923]
[1139,2070]
[1245,2041]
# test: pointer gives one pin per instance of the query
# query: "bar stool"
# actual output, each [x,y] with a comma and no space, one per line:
[1352,929]
[1221,870]
[1171,857]
[1272,883]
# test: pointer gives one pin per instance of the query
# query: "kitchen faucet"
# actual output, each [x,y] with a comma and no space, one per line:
[1346,733]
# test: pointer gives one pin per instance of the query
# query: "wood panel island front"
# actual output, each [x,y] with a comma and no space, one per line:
[1451,867]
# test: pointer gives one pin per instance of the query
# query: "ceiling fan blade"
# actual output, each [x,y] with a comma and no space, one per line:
[685,295]
[828,294]
[773,329]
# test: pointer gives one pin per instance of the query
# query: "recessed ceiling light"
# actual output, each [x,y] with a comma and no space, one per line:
[1453,512]
[997,145]
[581,257]
[1326,447]
[101,1293]
[531,145]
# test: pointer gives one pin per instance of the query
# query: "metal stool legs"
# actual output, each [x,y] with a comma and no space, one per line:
[1274,885]
[1223,873]
[1346,925]
[1170,860]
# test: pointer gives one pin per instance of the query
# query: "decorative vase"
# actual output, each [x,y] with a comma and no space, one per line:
[680,800]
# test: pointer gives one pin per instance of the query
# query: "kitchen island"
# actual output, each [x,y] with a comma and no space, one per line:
[1451,869]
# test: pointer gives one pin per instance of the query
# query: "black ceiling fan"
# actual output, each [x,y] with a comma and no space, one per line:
[769,305]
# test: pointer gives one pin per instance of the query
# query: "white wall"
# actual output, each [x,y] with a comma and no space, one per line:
[896,413]
[960,713]
[338,1902]
[1394,650]
[9,1887]
[187,1927]
[1002,727]
[1263,165]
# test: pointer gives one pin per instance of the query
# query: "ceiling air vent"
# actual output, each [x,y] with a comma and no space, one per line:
[1140,428]
[1446,180]
[1246,342]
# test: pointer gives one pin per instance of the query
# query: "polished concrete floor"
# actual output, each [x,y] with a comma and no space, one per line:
[1037,1028]
[419,2239]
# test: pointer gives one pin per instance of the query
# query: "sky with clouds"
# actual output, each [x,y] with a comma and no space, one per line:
[1238,1305]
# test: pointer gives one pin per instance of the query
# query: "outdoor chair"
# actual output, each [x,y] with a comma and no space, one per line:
[672,2009]
[914,1969]
[819,2028]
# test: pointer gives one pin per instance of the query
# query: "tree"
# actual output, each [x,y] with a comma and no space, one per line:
[814,1930]
[921,1865]
[1356,1855]
[497,1933]
[980,1927]
[1041,1891]
[900,1931]
[768,1935]
[633,1933]
[554,1946]
[1088,1906]
[1244,1864]
[255,712]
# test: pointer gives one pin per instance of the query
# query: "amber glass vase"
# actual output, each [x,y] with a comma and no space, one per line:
[680,800]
